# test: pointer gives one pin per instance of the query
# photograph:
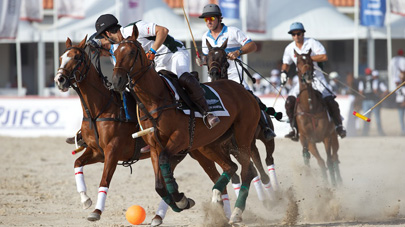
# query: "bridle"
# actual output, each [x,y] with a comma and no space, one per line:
[75,74]
[308,75]
[222,67]
[143,69]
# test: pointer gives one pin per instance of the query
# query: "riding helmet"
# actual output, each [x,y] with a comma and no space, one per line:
[211,10]
[296,26]
[103,23]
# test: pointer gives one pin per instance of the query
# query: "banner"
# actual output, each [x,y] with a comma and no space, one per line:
[71,8]
[229,8]
[398,7]
[131,11]
[195,8]
[257,16]
[32,10]
[33,117]
[9,18]
[372,13]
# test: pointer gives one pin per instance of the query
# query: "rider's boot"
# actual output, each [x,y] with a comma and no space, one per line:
[79,138]
[196,93]
[289,107]
[334,112]
[267,131]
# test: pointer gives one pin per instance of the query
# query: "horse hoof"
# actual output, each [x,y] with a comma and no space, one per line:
[93,217]
[185,203]
[87,203]
[216,196]
[156,221]
[236,216]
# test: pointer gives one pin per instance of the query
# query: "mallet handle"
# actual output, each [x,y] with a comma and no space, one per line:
[382,100]
[143,132]
[188,23]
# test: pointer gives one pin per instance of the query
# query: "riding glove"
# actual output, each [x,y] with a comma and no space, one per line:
[150,55]
[283,77]
[199,61]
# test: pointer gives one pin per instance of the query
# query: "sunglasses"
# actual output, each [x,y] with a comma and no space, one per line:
[209,19]
[298,33]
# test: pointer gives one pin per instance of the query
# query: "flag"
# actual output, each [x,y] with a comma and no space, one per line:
[131,11]
[229,8]
[32,10]
[195,8]
[398,7]
[256,16]
[372,13]
[71,8]
[9,18]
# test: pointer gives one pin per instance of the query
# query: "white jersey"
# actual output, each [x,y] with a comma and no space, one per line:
[397,65]
[171,56]
[236,39]
[316,49]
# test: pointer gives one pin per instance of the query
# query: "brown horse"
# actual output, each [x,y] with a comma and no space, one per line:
[172,129]
[107,134]
[218,69]
[313,122]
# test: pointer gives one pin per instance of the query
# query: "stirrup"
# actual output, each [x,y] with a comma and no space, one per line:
[293,135]
[210,120]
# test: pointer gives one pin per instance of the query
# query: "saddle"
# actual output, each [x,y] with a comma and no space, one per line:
[184,99]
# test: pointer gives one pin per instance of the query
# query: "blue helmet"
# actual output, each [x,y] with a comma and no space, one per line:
[296,26]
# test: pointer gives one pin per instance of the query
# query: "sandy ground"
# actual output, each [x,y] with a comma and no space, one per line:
[37,186]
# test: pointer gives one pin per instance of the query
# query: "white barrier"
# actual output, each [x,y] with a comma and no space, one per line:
[33,117]
[282,128]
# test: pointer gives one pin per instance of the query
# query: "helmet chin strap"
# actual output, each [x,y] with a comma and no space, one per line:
[108,38]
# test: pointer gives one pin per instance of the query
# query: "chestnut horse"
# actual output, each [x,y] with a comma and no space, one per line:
[218,69]
[112,141]
[314,124]
[173,133]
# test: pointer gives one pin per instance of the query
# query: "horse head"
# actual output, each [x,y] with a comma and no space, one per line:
[305,66]
[74,65]
[130,60]
[217,61]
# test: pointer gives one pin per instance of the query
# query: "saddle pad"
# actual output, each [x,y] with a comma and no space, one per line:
[213,99]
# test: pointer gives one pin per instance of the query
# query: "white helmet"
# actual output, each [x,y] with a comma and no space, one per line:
[333,75]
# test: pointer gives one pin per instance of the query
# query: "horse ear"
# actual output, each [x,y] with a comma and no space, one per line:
[68,43]
[295,53]
[310,51]
[208,44]
[82,43]
[135,32]
[225,44]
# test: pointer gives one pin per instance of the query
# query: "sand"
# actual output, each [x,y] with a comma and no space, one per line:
[37,186]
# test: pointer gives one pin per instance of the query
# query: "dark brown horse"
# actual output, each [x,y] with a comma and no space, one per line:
[313,122]
[105,131]
[218,69]
[172,129]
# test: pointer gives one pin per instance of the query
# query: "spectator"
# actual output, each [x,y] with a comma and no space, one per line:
[369,87]
[380,90]
[333,77]
[400,100]
[261,87]
[397,67]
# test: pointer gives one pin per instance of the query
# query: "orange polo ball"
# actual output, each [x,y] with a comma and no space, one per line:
[135,215]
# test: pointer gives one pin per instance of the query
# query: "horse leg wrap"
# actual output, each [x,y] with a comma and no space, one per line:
[102,196]
[168,200]
[243,194]
[171,184]
[222,182]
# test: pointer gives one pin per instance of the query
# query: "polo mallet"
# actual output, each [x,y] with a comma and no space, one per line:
[192,37]
[340,82]
[279,92]
[363,117]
